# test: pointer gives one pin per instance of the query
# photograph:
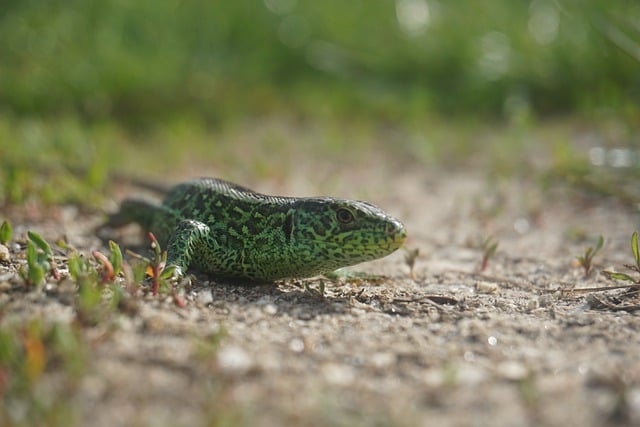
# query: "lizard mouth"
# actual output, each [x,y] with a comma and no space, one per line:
[398,233]
[400,237]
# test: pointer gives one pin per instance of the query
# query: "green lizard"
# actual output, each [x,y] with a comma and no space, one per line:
[229,231]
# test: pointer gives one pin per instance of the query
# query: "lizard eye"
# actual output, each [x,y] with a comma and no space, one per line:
[344,216]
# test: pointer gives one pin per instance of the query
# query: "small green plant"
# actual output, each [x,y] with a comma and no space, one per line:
[39,260]
[29,352]
[5,232]
[90,302]
[88,299]
[586,260]
[636,256]
[156,268]
[156,264]
[207,346]
[81,270]
[316,292]
[111,266]
[489,247]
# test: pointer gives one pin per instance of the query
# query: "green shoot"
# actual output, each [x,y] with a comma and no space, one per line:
[489,247]
[5,232]
[39,260]
[115,257]
[634,249]
[614,275]
[111,266]
[157,263]
[36,269]
[317,292]
[89,295]
[81,270]
[40,243]
[161,275]
[90,307]
[154,268]
[88,303]
[586,260]
[107,272]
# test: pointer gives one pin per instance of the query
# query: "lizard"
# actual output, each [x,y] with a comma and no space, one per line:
[229,231]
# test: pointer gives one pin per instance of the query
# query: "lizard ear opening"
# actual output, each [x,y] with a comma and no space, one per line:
[287,226]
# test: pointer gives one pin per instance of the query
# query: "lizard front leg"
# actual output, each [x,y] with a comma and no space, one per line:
[188,236]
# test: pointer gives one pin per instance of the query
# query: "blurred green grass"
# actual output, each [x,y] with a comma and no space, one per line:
[137,60]
[151,87]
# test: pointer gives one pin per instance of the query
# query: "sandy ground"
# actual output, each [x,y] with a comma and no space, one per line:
[451,346]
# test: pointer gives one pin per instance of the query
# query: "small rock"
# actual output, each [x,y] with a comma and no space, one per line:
[338,374]
[546,300]
[467,375]
[434,377]
[512,370]
[302,314]
[484,287]
[532,304]
[234,360]
[470,375]
[383,360]
[296,345]
[634,403]
[270,309]
[204,298]
[4,254]
[264,300]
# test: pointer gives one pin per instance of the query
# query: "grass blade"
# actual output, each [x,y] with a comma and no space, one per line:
[599,245]
[618,276]
[634,248]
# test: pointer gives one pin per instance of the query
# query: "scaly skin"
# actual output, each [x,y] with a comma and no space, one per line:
[229,231]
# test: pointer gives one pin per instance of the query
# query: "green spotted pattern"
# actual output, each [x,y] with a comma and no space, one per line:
[229,231]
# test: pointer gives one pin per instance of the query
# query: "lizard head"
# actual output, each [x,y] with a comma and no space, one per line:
[339,232]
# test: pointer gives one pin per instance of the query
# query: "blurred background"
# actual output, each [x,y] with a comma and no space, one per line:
[150,87]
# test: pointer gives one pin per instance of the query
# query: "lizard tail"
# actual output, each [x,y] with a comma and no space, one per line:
[138,211]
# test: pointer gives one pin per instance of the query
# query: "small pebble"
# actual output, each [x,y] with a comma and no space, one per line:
[546,300]
[264,300]
[633,399]
[383,360]
[532,304]
[484,287]
[270,309]
[204,298]
[296,345]
[338,374]
[234,360]
[4,254]
[470,375]
[512,370]
[434,377]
